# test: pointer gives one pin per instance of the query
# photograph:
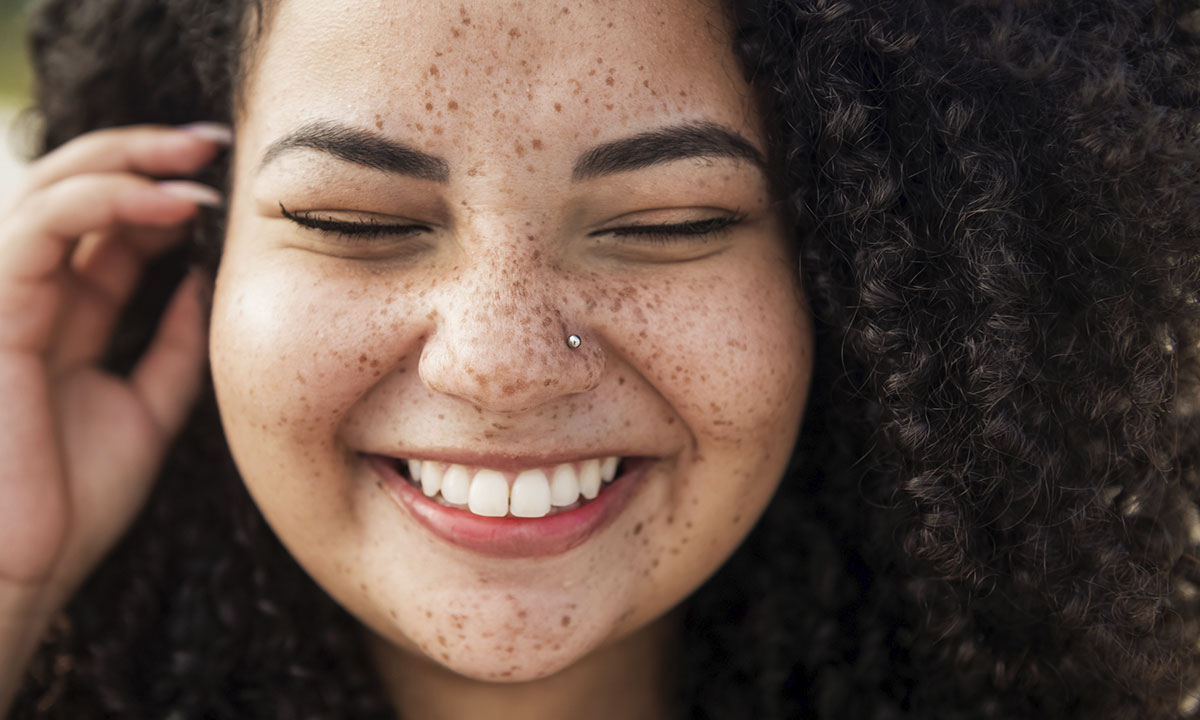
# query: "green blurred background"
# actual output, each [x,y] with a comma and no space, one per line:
[14,91]
[14,68]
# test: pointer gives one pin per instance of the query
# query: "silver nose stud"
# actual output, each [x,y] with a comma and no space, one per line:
[574,341]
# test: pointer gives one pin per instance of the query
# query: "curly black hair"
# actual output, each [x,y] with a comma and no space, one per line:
[992,508]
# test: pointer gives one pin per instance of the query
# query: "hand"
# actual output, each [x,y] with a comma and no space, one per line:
[79,447]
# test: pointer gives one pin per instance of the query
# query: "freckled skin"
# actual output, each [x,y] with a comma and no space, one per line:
[698,355]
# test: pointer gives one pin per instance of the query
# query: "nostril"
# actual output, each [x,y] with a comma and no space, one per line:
[507,374]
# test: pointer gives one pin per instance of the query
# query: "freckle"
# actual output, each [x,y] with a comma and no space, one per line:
[362,586]
[637,528]
[609,80]
[514,33]
[737,519]
[537,144]
[437,129]
[442,641]
[446,657]
[378,121]
[433,69]
[520,149]
[557,107]
[608,106]
[420,127]
[392,612]
[566,620]
[428,613]
[452,105]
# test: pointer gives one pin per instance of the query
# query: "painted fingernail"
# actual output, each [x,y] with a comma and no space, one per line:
[195,192]
[216,132]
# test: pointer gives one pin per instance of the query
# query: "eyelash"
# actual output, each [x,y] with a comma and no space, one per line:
[352,230]
[671,232]
[657,234]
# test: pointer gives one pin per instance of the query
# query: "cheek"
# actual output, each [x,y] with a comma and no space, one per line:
[292,349]
[729,352]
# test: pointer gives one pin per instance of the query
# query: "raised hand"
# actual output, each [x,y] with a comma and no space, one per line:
[79,447]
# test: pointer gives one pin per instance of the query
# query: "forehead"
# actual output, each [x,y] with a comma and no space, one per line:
[434,70]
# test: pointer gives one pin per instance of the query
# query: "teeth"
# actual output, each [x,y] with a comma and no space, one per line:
[534,493]
[530,494]
[564,487]
[608,468]
[589,479]
[456,485]
[431,476]
[489,494]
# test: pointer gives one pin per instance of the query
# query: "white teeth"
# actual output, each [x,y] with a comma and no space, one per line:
[564,486]
[530,494]
[534,493]
[431,476]
[589,478]
[488,494]
[456,485]
[608,468]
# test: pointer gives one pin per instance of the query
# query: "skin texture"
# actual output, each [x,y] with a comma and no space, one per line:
[696,354]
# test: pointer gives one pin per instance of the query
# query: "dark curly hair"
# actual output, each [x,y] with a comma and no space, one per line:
[992,510]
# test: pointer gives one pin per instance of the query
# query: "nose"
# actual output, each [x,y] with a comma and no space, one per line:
[503,340]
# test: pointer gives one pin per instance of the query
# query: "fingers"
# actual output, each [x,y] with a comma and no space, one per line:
[36,241]
[147,150]
[105,271]
[169,375]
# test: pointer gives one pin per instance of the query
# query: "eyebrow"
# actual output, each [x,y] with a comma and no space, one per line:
[361,148]
[679,142]
[669,144]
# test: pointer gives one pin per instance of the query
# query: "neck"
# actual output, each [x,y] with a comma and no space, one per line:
[630,678]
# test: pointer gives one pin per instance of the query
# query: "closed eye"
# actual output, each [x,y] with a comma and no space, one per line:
[357,229]
[670,232]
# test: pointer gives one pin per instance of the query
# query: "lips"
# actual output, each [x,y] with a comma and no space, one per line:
[546,510]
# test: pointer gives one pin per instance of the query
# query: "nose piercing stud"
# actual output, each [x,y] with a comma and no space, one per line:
[573,341]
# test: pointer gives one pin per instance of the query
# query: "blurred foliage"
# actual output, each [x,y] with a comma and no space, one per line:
[14,66]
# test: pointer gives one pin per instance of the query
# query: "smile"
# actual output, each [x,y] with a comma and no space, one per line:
[531,493]
[519,512]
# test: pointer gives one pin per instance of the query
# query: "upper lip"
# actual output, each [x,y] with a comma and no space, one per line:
[504,462]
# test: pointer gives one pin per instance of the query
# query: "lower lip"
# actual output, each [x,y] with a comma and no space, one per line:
[511,537]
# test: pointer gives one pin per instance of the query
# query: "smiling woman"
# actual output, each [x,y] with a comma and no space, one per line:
[517,310]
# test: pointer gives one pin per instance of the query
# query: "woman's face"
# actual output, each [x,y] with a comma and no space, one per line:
[429,199]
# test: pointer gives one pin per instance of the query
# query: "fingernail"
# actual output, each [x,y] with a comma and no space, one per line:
[219,133]
[195,192]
